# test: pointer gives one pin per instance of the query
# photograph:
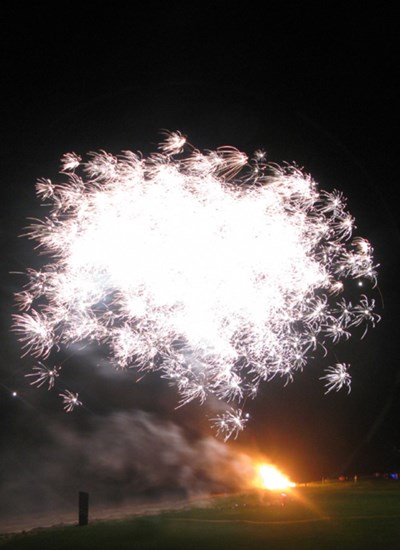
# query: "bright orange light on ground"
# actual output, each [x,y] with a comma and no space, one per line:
[269,477]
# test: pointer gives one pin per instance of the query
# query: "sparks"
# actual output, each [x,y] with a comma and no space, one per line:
[216,270]
[230,423]
[337,377]
[70,400]
[43,374]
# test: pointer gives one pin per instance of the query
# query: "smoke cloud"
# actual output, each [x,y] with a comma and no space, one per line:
[120,458]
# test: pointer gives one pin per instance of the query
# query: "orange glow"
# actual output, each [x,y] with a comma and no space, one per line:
[269,477]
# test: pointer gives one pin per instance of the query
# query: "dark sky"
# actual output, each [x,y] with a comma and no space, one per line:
[315,87]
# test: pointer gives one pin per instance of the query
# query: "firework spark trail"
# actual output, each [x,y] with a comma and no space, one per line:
[217,270]
[41,374]
[336,377]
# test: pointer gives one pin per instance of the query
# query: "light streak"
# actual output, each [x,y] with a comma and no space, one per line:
[219,271]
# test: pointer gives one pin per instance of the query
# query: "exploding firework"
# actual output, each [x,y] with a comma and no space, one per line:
[217,270]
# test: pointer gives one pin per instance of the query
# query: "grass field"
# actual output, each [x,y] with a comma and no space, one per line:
[362,515]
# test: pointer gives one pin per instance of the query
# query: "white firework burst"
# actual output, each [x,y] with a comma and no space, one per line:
[337,377]
[230,423]
[218,270]
[43,375]
[70,400]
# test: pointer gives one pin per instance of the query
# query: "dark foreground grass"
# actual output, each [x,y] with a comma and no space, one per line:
[364,515]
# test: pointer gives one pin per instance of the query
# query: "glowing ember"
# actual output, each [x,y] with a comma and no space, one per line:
[269,477]
[219,271]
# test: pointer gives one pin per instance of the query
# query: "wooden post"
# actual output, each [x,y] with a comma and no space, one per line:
[83,508]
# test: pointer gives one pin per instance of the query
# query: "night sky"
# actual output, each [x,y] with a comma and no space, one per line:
[315,88]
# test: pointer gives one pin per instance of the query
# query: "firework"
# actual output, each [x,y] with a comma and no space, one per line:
[217,270]
[336,377]
[70,400]
[43,374]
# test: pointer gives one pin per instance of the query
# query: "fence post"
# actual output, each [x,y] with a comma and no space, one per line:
[83,508]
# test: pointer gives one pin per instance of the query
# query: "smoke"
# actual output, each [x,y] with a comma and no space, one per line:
[120,458]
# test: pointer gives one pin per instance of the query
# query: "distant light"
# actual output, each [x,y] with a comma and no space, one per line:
[14,394]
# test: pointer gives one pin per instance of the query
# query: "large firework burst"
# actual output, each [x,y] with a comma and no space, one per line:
[217,270]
